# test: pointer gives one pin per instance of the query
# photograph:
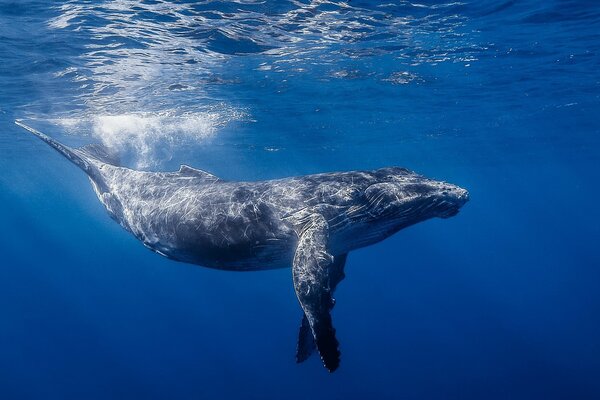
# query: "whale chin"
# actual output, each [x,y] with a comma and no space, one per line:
[451,212]
[454,198]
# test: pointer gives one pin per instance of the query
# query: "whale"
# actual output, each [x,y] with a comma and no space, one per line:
[309,223]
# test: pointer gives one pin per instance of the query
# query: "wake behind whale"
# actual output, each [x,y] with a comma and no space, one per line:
[309,222]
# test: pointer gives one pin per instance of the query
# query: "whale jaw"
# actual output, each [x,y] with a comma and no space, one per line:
[453,200]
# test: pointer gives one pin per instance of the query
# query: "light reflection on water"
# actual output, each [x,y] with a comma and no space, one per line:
[159,61]
[144,64]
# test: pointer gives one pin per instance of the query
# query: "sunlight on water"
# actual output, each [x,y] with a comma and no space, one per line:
[147,75]
[136,51]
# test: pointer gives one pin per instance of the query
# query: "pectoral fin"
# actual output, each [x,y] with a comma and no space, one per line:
[306,342]
[316,273]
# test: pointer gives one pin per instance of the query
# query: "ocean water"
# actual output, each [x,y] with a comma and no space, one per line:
[500,97]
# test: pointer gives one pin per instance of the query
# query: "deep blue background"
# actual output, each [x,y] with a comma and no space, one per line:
[501,301]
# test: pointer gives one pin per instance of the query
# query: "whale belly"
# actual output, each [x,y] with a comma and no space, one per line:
[216,250]
[223,236]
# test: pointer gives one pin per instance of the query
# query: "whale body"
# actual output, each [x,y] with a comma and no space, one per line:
[309,222]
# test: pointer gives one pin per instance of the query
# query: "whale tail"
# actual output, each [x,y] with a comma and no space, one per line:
[82,157]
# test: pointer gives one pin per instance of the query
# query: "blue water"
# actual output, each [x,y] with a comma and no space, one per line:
[503,98]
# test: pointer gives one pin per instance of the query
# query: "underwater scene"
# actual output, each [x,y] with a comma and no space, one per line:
[210,172]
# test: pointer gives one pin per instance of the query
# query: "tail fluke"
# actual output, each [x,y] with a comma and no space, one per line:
[74,155]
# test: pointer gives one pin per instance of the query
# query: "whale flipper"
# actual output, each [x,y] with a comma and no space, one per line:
[313,284]
[306,342]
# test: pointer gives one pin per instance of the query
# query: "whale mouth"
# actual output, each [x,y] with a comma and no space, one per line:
[458,199]
[451,212]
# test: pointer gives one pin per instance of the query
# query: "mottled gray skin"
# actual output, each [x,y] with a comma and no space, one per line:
[309,222]
[190,216]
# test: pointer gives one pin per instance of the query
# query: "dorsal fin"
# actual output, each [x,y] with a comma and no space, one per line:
[101,153]
[189,171]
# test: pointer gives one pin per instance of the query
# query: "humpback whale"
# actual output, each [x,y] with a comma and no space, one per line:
[308,222]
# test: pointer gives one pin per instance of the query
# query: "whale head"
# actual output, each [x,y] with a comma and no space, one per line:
[408,197]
